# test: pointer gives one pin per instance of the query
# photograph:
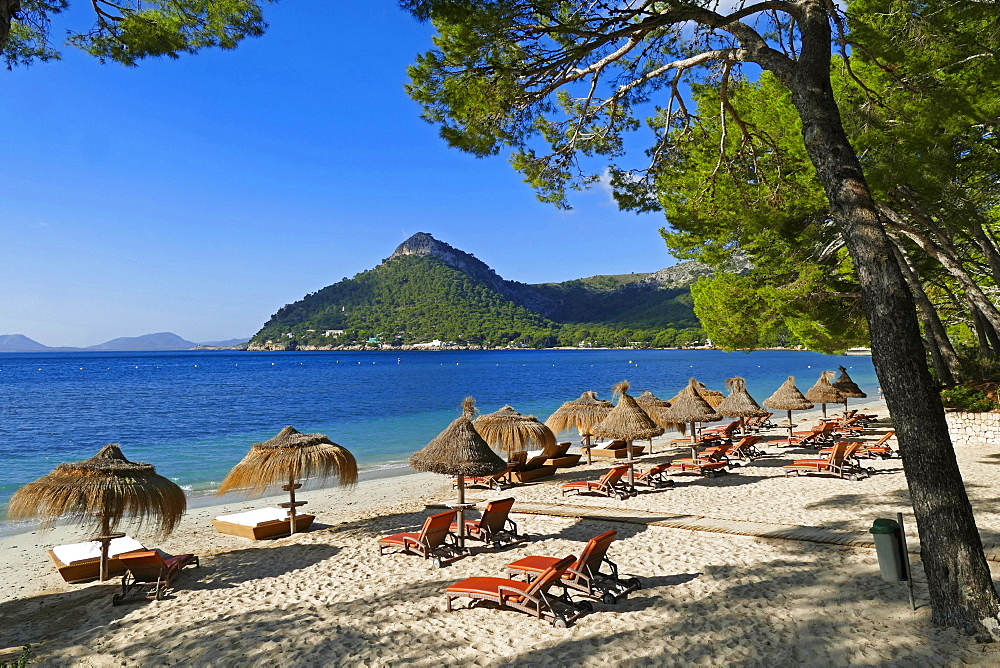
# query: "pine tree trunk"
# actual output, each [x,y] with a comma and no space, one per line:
[942,352]
[961,589]
[8,9]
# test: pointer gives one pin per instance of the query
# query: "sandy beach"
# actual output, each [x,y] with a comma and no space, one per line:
[326,597]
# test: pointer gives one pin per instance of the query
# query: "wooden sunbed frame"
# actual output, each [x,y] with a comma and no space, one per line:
[264,530]
[153,568]
[529,597]
[585,575]
[617,452]
[86,570]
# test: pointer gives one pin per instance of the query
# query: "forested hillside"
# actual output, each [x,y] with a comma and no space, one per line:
[418,297]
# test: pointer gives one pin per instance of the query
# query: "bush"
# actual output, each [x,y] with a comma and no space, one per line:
[969,399]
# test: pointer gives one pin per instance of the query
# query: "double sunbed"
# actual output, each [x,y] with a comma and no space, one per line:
[261,523]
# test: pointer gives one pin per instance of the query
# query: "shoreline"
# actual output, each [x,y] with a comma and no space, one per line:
[326,596]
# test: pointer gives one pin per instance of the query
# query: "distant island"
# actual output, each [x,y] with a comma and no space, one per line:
[161,341]
[428,294]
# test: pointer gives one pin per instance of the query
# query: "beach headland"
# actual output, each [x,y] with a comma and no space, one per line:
[326,597]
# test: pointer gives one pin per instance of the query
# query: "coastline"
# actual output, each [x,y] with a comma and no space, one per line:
[326,596]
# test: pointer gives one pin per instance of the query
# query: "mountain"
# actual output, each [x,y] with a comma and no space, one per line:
[428,290]
[228,343]
[19,343]
[151,342]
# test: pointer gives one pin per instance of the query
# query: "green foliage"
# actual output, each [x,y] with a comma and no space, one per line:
[22,660]
[580,302]
[127,32]
[416,298]
[968,399]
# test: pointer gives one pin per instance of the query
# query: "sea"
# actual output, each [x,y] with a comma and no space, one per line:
[194,414]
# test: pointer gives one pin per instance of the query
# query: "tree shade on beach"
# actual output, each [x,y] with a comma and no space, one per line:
[286,458]
[629,55]
[102,493]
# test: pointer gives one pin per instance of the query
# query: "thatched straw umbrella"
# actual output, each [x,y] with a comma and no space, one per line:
[712,397]
[286,458]
[823,392]
[459,451]
[582,414]
[659,410]
[511,431]
[628,422]
[102,492]
[847,387]
[788,398]
[739,403]
[690,406]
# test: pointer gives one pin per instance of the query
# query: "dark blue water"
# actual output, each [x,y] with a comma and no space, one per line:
[195,414]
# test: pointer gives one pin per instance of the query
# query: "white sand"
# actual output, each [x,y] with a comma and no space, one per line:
[326,598]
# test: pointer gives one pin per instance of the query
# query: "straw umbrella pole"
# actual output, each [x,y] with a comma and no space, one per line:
[288,457]
[510,431]
[847,387]
[823,392]
[788,398]
[739,403]
[582,414]
[101,492]
[459,451]
[690,406]
[627,421]
[658,410]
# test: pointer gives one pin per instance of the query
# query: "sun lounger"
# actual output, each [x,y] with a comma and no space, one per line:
[81,562]
[838,463]
[655,476]
[560,458]
[585,574]
[609,484]
[533,469]
[713,454]
[261,523]
[494,527]
[497,481]
[879,448]
[431,542]
[722,432]
[617,450]
[821,433]
[746,449]
[529,597]
[712,462]
[153,569]
[854,425]
[758,424]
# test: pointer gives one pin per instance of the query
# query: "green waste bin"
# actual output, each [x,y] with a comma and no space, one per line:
[889,547]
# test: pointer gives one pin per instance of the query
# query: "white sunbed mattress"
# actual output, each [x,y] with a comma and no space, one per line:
[68,554]
[252,518]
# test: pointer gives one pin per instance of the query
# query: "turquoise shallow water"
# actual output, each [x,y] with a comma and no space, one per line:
[195,414]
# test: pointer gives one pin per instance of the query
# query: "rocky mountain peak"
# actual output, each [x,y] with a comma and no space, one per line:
[423,243]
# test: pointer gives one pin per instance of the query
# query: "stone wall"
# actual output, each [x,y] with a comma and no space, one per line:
[976,429]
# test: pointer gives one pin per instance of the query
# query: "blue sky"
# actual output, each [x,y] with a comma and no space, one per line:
[200,195]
